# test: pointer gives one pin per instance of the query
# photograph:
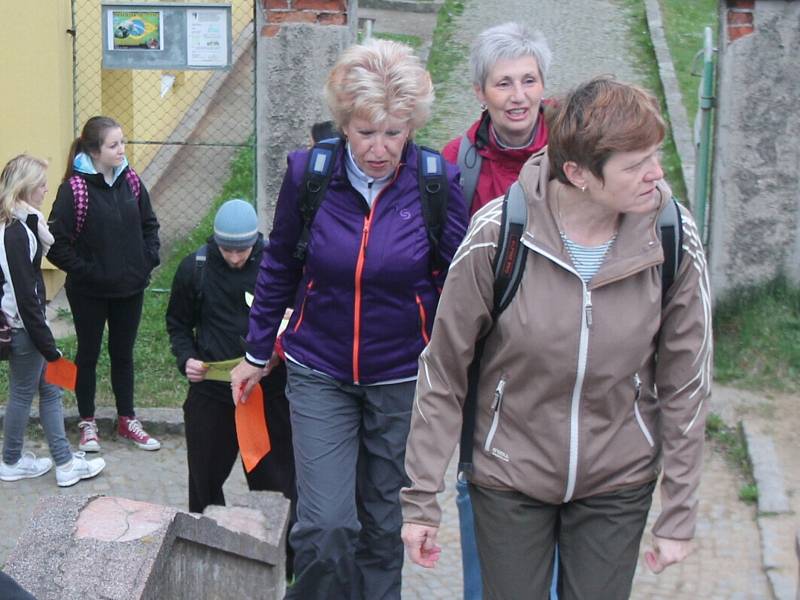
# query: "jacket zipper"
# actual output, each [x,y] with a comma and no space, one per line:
[309,287]
[496,405]
[580,372]
[637,382]
[423,320]
[362,255]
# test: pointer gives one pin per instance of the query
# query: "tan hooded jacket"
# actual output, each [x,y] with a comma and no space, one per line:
[571,399]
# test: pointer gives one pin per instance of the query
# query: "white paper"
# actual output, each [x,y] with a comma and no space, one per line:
[206,37]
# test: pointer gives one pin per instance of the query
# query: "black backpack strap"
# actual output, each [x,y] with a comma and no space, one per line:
[508,267]
[312,189]
[198,279]
[469,164]
[434,193]
[670,231]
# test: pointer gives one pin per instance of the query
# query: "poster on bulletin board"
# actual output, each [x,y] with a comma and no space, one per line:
[166,36]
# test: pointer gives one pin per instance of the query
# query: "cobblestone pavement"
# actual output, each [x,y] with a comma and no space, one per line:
[587,37]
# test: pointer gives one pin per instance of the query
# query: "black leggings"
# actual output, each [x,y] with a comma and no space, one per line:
[90,315]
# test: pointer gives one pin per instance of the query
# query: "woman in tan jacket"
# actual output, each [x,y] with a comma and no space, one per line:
[591,380]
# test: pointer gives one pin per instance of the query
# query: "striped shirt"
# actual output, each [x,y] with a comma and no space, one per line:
[587,259]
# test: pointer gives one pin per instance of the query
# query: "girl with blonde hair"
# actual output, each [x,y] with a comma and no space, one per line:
[24,240]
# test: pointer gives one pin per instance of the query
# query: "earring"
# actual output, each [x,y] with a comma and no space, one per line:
[583,188]
[483,107]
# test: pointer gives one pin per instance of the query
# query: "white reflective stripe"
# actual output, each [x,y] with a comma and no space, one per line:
[433,165]
[642,426]
[498,403]
[319,162]
[583,349]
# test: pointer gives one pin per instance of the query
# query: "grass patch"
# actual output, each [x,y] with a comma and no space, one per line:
[158,382]
[757,334]
[444,56]
[730,441]
[645,57]
[684,23]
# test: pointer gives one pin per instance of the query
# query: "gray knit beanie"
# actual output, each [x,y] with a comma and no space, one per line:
[236,225]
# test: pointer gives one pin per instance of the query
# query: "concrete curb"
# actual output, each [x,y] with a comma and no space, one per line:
[682,133]
[774,512]
[419,6]
[157,421]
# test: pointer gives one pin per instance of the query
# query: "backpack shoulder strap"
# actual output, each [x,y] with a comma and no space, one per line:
[469,163]
[434,193]
[312,189]
[198,279]
[670,232]
[80,202]
[508,267]
[509,260]
[132,177]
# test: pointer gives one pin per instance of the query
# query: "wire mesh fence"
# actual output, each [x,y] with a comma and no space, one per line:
[183,128]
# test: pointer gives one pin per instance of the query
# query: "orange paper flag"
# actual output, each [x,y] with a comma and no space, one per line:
[62,372]
[251,429]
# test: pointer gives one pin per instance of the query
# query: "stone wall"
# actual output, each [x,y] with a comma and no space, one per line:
[299,42]
[755,210]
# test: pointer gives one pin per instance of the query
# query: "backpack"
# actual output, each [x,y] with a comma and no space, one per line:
[469,163]
[198,279]
[433,190]
[80,196]
[508,267]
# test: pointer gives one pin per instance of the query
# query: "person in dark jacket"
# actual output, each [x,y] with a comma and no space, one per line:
[106,240]
[206,319]
[24,240]
[364,299]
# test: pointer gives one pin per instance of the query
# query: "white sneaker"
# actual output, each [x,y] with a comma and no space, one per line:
[27,466]
[78,469]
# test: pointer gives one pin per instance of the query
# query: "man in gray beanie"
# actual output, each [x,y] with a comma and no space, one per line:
[207,317]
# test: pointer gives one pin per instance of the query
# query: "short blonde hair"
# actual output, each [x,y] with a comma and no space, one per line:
[18,180]
[379,79]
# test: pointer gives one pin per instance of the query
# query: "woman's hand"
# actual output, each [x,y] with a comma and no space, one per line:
[666,552]
[244,377]
[420,542]
[195,370]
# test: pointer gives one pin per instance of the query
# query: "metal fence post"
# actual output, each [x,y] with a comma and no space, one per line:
[704,116]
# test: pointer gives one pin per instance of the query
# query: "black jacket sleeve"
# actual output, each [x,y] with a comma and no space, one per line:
[24,282]
[62,225]
[181,313]
[149,228]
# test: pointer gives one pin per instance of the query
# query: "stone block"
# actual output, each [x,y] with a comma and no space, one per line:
[767,472]
[115,548]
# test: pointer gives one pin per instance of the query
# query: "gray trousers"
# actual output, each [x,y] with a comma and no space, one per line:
[349,447]
[598,543]
[26,377]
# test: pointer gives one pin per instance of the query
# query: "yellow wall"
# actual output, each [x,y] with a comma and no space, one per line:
[36,97]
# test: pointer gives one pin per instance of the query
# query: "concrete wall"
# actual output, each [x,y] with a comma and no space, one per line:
[755,210]
[299,42]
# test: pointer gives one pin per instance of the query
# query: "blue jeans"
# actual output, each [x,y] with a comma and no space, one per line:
[471,566]
[26,376]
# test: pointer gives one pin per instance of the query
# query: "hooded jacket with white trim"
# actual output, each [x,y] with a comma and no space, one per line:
[572,401]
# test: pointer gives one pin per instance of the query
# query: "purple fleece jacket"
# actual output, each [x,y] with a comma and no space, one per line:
[365,300]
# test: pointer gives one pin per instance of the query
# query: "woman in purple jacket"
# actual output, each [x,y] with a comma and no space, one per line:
[364,301]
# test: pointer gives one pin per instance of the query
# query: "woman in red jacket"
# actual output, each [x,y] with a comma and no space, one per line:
[509,64]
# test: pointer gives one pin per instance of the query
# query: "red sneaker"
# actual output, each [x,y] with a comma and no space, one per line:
[89,441]
[130,428]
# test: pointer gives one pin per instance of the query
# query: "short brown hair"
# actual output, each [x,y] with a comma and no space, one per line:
[597,119]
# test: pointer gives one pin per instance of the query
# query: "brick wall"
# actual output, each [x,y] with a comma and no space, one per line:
[739,18]
[321,12]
